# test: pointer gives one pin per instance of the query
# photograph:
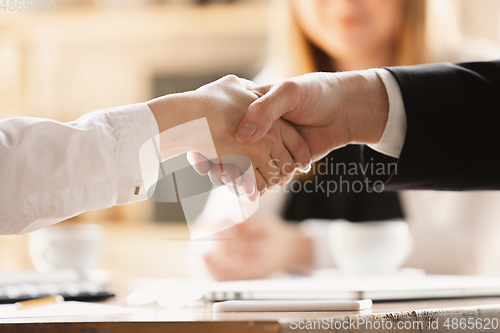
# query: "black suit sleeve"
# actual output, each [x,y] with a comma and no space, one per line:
[453,134]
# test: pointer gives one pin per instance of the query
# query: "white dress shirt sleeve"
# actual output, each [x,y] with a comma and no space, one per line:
[51,171]
[393,138]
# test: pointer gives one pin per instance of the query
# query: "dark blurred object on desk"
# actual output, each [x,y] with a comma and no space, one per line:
[17,287]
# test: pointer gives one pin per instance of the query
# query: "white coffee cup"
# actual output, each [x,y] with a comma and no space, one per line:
[379,247]
[63,247]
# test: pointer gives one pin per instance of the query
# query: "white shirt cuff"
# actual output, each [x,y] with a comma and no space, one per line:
[136,125]
[393,138]
[58,170]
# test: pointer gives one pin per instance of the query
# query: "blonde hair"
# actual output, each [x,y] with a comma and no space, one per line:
[429,30]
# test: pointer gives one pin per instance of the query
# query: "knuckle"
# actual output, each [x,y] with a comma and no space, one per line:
[231,78]
[290,87]
[260,107]
[272,139]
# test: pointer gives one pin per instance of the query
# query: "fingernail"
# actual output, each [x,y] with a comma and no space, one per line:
[226,179]
[304,169]
[246,130]
[241,190]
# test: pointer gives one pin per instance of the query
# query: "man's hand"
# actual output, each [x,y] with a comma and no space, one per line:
[329,110]
[223,103]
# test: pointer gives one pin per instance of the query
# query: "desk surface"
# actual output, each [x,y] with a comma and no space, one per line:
[477,314]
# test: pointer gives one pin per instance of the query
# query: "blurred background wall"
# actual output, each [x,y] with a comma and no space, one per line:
[93,54]
[480,19]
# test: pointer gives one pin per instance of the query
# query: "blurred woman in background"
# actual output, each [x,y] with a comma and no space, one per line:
[453,232]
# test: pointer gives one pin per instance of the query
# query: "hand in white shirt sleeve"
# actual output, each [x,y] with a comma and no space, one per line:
[393,138]
[51,171]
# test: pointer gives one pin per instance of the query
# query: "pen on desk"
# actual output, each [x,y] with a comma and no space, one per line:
[39,302]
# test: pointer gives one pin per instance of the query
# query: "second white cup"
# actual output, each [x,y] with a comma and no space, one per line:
[379,247]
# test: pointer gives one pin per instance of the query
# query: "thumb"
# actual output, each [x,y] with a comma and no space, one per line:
[264,111]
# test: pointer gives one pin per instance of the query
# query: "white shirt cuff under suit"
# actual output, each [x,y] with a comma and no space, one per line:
[393,138]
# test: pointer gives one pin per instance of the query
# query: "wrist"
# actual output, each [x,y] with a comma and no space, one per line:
[369,109]
[171,112]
